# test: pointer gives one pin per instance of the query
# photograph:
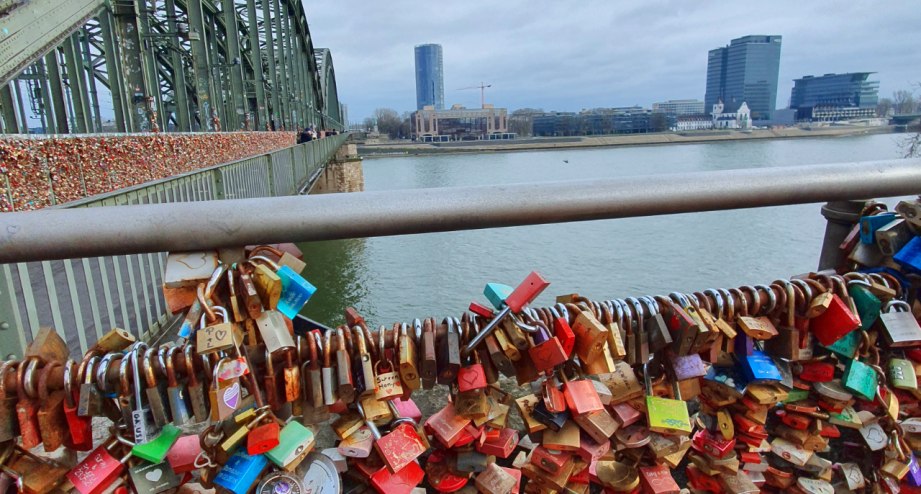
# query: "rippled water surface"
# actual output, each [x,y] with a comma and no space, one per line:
[398,278]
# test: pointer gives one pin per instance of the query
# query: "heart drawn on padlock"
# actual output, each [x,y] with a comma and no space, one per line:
[220,334]
[154,475]
[232,396]
[468,378]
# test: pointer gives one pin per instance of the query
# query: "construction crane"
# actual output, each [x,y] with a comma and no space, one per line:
[482,87]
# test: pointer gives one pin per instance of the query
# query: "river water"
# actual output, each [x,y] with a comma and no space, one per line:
[392,279]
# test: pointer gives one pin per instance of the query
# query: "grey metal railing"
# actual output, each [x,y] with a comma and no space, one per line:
[85,296]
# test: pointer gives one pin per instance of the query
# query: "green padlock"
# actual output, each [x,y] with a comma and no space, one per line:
[868,305]
[861,379]
[155,450]
[846,347]
[666,416]
[294,442]
[902,374]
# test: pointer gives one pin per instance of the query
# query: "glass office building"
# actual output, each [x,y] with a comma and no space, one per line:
[745,71]
[835,96]
[430,87]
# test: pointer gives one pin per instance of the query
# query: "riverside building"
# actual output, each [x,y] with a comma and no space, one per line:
[834,97]
[430,85]
[745,71]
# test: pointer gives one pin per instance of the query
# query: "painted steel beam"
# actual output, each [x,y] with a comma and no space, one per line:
[52,65]
[48,119]
[280,36]
[198,39]
[235,66]
[8,109]
[180,91]
[120,103]
[76,82]
[91,79]
[36,27]
[255,53]
[267,25]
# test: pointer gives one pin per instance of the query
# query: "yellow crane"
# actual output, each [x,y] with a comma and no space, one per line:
[482,87]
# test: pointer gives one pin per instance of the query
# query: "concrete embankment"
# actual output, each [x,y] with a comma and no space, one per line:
[372,149]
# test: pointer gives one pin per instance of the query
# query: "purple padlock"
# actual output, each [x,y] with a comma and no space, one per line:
[914,472]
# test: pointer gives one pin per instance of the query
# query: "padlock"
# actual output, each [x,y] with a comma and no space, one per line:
[598,424]
[834,323]
[153,391]
[871,223]
[861,379]
[428,370]
[272,386]
[501,444]
[658,480]
[546,351]
[580,395]
[27,406]
[591,335]
[345,387]
[358,444]
[177,405]
[81,428]
[446,425]
[408,357]
[195,389]
[363,366]
[526,406]
[115,340]
[666,416]
[295,442]
[224,398]
[758,366]
[52,422]
[249,294]
[99,469]
[153,478]
[655,326]
[389,386]
[623,383]
[285,255]
[293,291]
[154,450]
[347,424]
[898,324]
[472,376]
[495,480]
[48,346]
[292,377]
[189,269]
[9,423]
[182,456]
[449,362]
[274,331]
[241,472]
[223,336]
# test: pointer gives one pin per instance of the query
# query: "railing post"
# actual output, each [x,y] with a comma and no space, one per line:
[12,334]
[841,217]
[217,179]
[270,174]
[295,179]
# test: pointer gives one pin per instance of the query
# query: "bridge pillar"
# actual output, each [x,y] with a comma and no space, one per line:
[343,174]
[132,68]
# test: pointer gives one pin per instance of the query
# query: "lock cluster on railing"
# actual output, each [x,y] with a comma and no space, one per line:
[40,172]
[808,385]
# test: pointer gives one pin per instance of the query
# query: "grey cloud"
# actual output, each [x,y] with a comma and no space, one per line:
[573,55]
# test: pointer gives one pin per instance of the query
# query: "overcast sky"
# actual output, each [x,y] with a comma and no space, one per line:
[572,55]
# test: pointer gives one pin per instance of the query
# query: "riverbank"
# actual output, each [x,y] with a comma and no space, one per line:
[408,148]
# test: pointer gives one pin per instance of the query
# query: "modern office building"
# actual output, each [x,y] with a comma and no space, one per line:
[680,107]
[459,123]
[430,84]
[603,121]
[834,97]
[745,71]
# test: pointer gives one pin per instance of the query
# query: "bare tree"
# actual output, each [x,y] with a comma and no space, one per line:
[904,101]
[388,122]
[884,107]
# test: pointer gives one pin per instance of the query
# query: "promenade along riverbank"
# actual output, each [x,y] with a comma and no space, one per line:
[384,148]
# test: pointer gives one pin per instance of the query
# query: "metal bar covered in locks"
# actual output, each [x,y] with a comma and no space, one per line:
[57,234]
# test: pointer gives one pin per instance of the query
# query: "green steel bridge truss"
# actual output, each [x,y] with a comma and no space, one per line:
[91,66]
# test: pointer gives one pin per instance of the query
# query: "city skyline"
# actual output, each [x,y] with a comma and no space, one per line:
[624,54]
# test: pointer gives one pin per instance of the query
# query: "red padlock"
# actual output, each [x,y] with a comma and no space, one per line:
[835,322]
[818,372]
[81,428]
[98,470]
[500,444]
[263,438]
[563,332]
[182,455]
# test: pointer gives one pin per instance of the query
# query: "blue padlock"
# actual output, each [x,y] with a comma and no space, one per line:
[496,293]
[869,225]
[760,367]
[910,255]
[295,292]
[732,377]
[241,472]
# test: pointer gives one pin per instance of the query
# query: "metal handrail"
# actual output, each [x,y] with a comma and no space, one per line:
[56,234]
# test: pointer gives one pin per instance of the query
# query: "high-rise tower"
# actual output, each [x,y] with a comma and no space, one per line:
[430,87]
[746,70]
